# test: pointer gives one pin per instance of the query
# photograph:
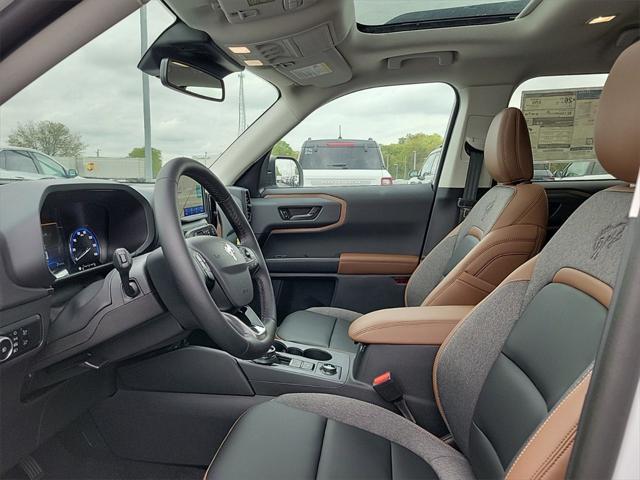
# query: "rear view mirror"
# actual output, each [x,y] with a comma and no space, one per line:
[414,174]
[190,80]
[72,173]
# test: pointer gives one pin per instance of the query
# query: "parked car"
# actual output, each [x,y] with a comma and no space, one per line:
[343,162]
[542,174]
[584,170]
[427,173]
[30,161]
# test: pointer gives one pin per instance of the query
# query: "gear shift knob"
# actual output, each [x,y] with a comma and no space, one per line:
[122,262]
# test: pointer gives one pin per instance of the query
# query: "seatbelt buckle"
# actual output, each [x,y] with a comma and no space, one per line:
[390,391]
[465,206]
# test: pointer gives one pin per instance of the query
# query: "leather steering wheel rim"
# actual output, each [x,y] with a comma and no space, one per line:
[226,330]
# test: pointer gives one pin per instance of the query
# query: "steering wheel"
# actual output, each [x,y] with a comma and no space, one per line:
[215,277]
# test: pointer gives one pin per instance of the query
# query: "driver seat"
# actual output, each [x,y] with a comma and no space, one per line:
[510,380]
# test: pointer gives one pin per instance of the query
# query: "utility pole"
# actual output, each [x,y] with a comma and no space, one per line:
[146,103]
[414,159]
[242,113]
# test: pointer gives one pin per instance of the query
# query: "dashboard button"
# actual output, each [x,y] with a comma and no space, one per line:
[6,348]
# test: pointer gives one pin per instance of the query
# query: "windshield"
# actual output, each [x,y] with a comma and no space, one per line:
[87,112]
[341,155]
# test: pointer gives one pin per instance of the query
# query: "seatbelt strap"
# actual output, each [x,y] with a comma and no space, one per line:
[470,194]
[390,391]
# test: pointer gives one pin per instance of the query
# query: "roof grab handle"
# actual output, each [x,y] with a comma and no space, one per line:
[443,58]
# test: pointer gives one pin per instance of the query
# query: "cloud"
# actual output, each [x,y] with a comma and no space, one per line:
[97,93]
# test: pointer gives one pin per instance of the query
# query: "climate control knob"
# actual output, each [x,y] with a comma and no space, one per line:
[6,348]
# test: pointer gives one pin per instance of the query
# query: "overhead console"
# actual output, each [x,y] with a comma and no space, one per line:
[309,32]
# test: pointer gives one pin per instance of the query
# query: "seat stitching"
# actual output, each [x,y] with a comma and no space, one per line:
[556,454]
[442,350]
[555,409]
[206,473]
[525,374]
[324,432]
[493,259]
[535,202]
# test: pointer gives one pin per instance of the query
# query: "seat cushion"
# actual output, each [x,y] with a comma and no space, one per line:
[319,436]
[322,327]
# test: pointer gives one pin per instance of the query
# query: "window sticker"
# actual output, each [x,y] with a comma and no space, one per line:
[561,123]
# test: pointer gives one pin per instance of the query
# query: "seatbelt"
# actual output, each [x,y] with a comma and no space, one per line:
[470,194]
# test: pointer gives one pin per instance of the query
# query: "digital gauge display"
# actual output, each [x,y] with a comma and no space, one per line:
[53,249]
[84,248]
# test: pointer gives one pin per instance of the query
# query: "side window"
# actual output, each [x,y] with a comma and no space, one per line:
[376,137]
[47,166]
[19,161]
[561,113]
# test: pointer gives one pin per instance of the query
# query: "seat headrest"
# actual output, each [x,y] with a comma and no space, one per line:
[617,134]
[507,150]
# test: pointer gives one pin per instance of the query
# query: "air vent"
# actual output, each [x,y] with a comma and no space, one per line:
[247,205]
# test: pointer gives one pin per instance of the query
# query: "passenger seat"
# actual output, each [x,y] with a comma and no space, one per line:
[503,230]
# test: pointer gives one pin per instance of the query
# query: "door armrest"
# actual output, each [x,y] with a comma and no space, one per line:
[409,325]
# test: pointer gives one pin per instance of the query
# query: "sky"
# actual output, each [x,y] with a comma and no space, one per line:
[97,93]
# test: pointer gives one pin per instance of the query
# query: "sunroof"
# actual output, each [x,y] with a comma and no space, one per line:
[393,15]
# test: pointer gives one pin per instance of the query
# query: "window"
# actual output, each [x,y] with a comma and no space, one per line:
[374,137]
[48,166]
[377,14]
[91,104]
[19,161]
[561,113]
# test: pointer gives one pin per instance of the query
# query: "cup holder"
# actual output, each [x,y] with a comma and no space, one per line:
[316,354]
[280,347]
[294,351]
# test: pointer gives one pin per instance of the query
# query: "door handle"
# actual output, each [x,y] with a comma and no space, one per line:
[292,214]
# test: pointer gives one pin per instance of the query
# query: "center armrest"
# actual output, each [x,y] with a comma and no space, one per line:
[408,325]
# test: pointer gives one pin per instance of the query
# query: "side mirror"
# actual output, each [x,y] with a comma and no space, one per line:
[185,78]
[414,174]
[286,171]
[72,172]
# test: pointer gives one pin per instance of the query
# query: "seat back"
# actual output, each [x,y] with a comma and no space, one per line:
[503,230]
[512,377]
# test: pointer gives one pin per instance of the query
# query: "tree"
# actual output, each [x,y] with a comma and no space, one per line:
[156,158]
[283,149]
[399,156]
[52,138]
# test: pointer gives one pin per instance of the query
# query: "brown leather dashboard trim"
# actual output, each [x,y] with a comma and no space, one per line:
[408,325]
[376,264]
[584,282]
[324,228]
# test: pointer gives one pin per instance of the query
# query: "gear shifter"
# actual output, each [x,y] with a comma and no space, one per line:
[122,262]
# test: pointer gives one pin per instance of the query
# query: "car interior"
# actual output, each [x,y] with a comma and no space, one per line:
[230,318]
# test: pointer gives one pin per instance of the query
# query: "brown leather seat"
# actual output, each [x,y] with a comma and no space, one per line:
[503,230]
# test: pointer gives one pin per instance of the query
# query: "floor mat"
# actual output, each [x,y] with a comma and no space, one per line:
[58,462]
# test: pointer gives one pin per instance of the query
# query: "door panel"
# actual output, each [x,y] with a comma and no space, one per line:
[355,251]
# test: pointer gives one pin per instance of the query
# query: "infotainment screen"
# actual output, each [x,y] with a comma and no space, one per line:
[190,198]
